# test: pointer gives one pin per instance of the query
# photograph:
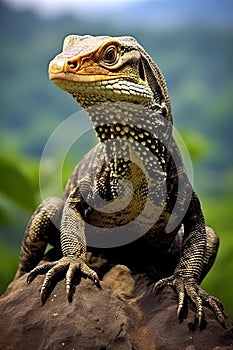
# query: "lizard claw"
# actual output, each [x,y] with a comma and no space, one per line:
[72,277]
[189,287]
[39,270]
[70,266]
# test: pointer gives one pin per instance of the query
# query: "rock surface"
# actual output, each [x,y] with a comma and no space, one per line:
[124,314]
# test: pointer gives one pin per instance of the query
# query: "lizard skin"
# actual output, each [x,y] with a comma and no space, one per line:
[125,95]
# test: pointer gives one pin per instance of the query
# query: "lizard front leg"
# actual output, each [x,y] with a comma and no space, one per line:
[43,228]
[197,255]
[73,245]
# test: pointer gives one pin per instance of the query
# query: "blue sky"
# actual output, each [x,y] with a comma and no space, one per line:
[146,13]
[56,7]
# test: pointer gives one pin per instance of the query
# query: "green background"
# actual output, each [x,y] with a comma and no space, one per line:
[196,59]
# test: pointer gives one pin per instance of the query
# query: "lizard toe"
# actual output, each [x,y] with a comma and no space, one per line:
[168,281]
[39,270]
[91,274]
[54,274]
[215,305]
[73,278]
[192,290]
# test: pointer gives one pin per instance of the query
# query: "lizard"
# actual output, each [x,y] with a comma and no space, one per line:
[125,94]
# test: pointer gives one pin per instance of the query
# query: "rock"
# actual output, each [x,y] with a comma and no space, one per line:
[26,324]
[124,314]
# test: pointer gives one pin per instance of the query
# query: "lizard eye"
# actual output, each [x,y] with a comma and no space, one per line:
[110,54]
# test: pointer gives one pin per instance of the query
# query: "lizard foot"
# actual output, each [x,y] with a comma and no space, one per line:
[189,287]
[70,266]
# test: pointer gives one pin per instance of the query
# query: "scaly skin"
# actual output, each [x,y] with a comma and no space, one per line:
[126,97]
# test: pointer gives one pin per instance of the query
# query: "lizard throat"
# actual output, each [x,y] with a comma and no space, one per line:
[90,93]
[124,127]
[129,121]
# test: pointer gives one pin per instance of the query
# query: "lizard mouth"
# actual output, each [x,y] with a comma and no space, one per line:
[102,86]
[80,78]
[94,89]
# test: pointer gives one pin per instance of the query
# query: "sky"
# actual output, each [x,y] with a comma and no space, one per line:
[54,8]
[145,13]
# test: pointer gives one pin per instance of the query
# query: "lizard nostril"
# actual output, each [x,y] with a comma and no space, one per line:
[72,64]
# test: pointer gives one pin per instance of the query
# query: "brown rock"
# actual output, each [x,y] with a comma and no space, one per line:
[113,318]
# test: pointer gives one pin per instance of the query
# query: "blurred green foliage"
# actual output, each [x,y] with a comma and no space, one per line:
[197,63]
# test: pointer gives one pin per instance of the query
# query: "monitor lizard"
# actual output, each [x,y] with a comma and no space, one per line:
[125,94]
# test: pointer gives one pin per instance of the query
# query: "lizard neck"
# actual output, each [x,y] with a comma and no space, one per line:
[132,122]
[127,128]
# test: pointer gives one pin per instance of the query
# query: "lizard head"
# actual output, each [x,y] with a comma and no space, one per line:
[109,69]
